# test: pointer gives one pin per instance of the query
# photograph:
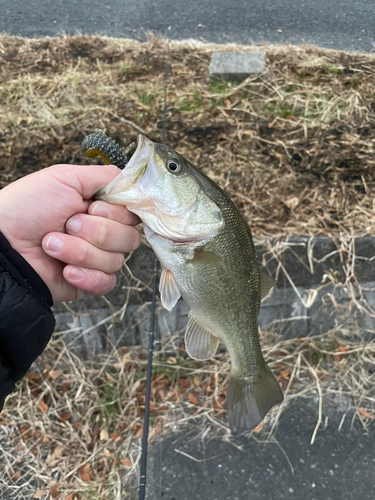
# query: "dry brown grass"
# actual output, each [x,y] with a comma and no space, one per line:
[74,428]
[293,147]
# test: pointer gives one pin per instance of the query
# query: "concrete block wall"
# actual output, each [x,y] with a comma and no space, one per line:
[302,261]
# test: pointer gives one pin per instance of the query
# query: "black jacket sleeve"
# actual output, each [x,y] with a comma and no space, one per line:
[26,319]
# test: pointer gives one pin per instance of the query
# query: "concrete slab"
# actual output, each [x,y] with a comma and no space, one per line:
[340,465]
[236,66]
[298,305]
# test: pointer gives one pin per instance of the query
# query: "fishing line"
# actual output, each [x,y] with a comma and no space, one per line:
[151,341]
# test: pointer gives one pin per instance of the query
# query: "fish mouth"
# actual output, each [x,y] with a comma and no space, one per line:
[135,152]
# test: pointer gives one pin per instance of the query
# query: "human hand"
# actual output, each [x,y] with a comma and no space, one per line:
[73,243]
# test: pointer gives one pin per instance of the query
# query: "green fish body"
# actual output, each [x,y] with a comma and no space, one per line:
[207,255]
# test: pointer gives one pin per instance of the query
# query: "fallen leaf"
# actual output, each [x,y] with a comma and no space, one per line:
[126,462]
[47,367]
[258,428]
[109,377]
[45,439]
[343,348]
[192,399]
[161,394]
[183,382]
[123,426]
[54,374]
[139,433]
[71,496]
[16,475]
[58,451]
[227,103]
[104,436]
[284,374]
[35,377]
[54,491]
[365,413]
[292,202]
[115,436]
[36,393]
[84,472]
[135,387]
[196,381]
[42,406]
[24,432]
[158,428]
[40,493]
[65,387]
[109,453]
[65,416]
[171,360]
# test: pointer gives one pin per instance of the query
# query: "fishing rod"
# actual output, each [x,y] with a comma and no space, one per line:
[151,341]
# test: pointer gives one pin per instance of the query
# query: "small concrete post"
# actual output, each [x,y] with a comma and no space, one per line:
[236,66]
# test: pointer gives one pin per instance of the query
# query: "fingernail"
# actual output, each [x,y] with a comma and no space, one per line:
[100,210]
[54,244]
[74,224]
[76,273]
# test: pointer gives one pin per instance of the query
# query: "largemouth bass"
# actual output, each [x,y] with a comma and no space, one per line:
[207,255]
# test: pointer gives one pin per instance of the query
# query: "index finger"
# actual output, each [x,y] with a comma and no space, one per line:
[118,213]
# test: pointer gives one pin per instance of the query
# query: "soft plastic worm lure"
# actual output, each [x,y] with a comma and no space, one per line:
[99,144]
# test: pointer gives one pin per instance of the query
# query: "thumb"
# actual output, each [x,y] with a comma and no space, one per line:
[87,179]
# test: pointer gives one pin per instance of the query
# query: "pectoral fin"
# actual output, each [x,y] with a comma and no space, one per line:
[169,292]
[200,343]
[266,283]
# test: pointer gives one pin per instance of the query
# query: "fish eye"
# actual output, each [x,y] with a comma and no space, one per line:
[174,167]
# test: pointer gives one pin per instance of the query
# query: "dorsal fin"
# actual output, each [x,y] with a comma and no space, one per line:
[169,292]
[200,342]
[266,283]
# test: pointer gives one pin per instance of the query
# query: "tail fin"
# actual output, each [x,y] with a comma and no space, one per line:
[249,400]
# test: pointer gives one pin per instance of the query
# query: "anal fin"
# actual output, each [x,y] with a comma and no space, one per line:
[169,292]
[200,342]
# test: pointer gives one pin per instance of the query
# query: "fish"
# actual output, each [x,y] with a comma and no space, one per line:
[207,256]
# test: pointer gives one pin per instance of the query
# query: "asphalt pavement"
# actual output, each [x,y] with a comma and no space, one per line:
[338,24]
[339,465]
